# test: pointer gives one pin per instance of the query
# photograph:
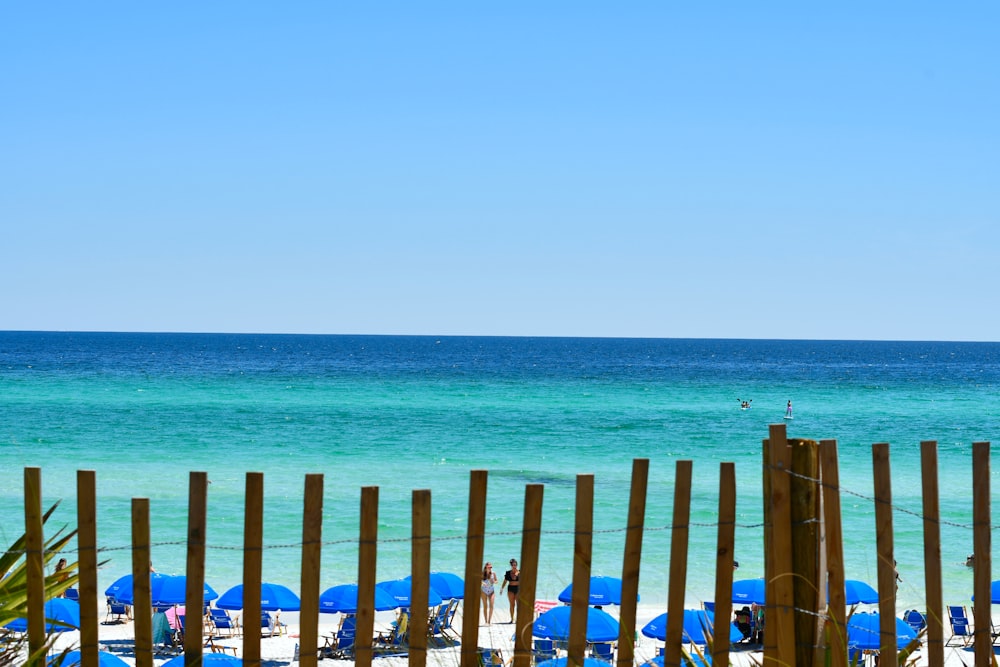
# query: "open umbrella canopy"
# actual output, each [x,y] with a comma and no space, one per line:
[220,659]
[863,632]
[749,591]
[273,597]
[73,659]
[858,592]
[994,593]
[603,590]
[554,624]
[65,612]
[696,621]
[400,589]
[344,599]
[165,589]
[449,586]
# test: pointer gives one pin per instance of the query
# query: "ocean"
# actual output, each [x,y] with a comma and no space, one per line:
[421,412]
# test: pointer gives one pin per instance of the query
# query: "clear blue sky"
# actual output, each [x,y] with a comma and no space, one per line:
[666,169]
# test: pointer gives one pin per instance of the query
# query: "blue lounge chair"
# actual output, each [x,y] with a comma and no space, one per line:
[222,622]
[961,630]
[72,594]
[915,620]
[399,635]
[117,612]
[542,650]
[490,657]
[604,651]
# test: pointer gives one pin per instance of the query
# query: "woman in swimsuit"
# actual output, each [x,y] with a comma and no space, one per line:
[512,581]
[489,596]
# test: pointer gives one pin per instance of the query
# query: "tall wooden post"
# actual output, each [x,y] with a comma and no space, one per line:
[253,545]
[833,526]
[932,554]
[678,564]
[312,557]
[582,555]
[474,547]
[86,539]
[631,561]
[34,558]
[194,598]
[530,542]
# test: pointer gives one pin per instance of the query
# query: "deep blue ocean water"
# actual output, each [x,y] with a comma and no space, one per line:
[405,413]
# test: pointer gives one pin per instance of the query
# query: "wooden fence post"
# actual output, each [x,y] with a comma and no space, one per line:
[724,563]
[194,598]
[253,545]
[932,554]
[884,546]
[312,557]
[836,638]
[34,558]
[631,561]
[807,557]
[530,541]
[983,546]
[142,606]
[678,564]
[779,617]
[583,541]
[367,556]
[86,540]
[420,568]
[474,546]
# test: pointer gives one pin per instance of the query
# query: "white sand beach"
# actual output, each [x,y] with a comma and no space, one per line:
[118,638]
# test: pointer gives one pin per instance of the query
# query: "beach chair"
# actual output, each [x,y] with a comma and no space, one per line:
[72,594]
[223,623]
[399,635]
[164,636]
[604,651]
[961,630]
[272,624]
[488,657]
[341,645]
[915,620]
[708,606]
[542,650]
[439,627]
[117,612]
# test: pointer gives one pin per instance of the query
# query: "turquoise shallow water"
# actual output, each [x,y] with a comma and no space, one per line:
[400,413]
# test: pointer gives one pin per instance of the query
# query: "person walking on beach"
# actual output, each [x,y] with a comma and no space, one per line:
[489,593]
[512,582]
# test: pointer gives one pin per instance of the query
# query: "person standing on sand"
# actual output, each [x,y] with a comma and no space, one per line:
[60,566]
[489,593]
[512,581]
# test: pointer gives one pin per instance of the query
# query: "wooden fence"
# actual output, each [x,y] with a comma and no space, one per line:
[802,540]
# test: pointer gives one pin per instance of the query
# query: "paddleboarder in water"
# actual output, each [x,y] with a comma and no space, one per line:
[788,410]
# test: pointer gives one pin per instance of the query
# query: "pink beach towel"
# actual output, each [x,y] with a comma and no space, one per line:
[542,606]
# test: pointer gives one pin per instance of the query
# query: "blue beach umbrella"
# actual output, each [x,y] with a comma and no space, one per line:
[273,597]
[864,632]
[344,599]
[73,659]
[696,621]
[220,659]
[172,589]
[994,593]
[449,586]
[165,590]
[400,589]
[554,624]
[749,591]
[121,590]
[858,592]
[603,590]
[65,612]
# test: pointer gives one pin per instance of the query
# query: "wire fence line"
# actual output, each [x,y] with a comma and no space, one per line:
[556,532]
